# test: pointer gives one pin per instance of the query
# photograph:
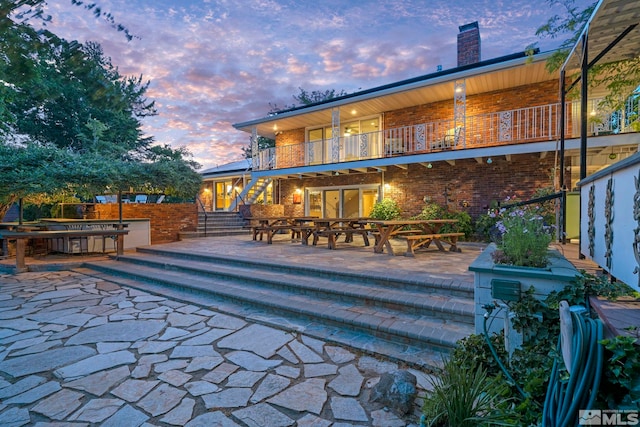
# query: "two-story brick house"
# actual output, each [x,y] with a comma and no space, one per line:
[462,137]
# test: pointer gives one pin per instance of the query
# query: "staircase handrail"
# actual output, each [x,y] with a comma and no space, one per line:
[236,194]
[204,210]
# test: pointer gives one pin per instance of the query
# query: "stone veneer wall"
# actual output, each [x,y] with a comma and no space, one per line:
[166,219]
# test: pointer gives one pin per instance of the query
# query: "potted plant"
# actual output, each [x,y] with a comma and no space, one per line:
[522,238]
[519,258]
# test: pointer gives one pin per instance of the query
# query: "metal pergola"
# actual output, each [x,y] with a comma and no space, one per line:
[611,34]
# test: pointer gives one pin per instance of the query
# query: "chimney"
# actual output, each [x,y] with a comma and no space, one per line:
[468,44]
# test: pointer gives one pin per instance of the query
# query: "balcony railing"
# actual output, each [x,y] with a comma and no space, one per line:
[508,127]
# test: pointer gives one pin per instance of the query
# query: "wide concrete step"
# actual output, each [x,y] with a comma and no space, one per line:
[432,304]
[389,280]
[421,340]
[415,324]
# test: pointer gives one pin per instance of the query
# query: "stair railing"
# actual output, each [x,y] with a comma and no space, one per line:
[204,210]
[238,195]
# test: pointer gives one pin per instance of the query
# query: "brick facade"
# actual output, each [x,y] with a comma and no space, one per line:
[466,186]
[525,96]
[166,219]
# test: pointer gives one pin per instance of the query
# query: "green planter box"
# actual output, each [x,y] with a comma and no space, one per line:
[498,283]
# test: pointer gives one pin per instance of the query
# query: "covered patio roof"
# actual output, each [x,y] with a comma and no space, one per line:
[613,34]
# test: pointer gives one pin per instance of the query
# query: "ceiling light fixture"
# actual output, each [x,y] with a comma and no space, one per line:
[429,166]
[489,161]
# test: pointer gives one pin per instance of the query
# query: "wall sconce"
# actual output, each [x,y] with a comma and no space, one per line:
[337,173]
[429,166]
[489,161]
[387,186]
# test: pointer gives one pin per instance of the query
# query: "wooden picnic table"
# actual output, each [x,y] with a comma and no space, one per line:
[21,238]
[272,225]
[331,228]
[418,232]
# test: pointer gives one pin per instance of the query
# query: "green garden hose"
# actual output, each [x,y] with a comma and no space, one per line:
[567,396]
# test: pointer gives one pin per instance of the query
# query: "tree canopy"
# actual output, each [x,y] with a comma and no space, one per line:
[621,78]
[305,97]
[71,123]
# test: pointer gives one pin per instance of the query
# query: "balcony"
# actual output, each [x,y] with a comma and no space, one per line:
[508,127]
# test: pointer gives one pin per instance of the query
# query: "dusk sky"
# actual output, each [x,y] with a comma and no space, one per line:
[213,63]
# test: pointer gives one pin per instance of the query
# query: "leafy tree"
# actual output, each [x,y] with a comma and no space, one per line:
[70,123]
[308,98]
[620,78]
[263,142]
[303,98]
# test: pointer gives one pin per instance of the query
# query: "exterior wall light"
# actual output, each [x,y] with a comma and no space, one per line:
[429,166]
[489,161]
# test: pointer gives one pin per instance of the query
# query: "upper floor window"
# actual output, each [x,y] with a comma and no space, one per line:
[348,128]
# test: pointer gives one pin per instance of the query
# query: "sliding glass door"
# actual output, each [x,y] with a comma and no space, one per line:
[341,202]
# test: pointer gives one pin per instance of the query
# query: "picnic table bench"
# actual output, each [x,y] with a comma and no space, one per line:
[415,241]
[332,228]
[418,232]
[272,225]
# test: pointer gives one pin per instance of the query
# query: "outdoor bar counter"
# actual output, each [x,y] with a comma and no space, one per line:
[139,228]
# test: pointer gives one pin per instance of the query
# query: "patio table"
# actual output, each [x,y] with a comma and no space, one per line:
[418,232]
[331,228]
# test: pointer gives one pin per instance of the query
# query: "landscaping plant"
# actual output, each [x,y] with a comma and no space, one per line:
[530,365]
[465,395]
[385,210]
[523,238]
[433,210]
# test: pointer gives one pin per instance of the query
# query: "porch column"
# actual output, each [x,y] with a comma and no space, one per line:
[255,158]
[335,135]
[460,110]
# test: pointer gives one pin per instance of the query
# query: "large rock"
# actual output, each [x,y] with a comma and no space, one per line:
[396,390]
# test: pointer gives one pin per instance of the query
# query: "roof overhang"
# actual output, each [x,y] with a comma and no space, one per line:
[613,34]
[488,76]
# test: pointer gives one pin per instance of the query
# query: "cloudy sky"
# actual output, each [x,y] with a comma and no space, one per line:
[213,63]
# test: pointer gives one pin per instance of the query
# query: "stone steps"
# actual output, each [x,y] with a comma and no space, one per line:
[409,321]
[217,224]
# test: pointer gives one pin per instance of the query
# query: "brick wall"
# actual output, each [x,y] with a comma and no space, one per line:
[467,185]
[166,219]
[509,99]
[469,44]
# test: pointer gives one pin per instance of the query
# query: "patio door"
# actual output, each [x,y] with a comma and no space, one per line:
[341,202]
[223,195]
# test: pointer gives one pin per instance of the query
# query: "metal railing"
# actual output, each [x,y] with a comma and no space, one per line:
[523,125]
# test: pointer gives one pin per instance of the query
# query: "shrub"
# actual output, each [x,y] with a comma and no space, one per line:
[434,211]
[524,238]
[485,226]
[464,395]
[531,365]
[385,210]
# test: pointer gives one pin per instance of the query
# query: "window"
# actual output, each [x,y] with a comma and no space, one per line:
[359,139]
